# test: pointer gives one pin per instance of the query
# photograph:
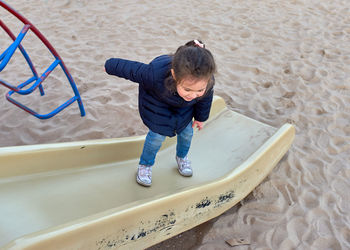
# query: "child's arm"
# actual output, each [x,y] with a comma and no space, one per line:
[130,70]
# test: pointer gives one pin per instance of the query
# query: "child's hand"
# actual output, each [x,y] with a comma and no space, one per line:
[197,124]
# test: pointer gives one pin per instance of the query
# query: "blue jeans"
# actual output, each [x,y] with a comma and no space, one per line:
[154,141]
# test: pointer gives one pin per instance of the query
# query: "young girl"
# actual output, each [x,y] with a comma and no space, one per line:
[173,90]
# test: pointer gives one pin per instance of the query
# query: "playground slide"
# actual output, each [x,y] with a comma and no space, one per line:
[83,195]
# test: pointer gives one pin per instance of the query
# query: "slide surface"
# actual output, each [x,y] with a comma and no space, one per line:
[83,195]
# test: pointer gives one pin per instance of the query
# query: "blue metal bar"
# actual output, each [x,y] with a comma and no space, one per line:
[9,52]
[18,88]
[4,53]
[32,68]
[74,87]
[38,81]
[40,116]
[24,53]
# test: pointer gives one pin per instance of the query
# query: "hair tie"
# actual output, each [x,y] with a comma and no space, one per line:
[198,44]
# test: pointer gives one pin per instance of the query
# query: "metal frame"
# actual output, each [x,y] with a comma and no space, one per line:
[8,53]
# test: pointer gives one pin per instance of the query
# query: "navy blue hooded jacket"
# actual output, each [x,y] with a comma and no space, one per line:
[161,111]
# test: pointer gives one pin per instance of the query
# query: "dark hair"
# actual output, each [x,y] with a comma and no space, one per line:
[191,60]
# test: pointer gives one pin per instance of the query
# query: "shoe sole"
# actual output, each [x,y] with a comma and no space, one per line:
[184,174]
[142,183]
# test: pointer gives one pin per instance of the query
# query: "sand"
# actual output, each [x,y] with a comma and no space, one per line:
[278,61]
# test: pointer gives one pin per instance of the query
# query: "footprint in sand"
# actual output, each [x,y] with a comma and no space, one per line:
[246,34]
[307,73]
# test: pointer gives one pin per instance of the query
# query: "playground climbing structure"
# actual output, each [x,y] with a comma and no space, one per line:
[36,81]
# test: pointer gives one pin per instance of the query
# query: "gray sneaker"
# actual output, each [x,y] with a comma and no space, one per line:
[144,175]
[184,166]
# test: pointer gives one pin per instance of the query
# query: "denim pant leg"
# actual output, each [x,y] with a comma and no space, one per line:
[151,147]
[184,141]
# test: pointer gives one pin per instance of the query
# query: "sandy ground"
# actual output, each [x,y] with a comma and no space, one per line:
[278,61]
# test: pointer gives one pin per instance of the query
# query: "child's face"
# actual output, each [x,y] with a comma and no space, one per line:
[191,88]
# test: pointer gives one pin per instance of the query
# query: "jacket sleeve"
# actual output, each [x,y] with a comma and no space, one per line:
[202,107]
[131,70]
